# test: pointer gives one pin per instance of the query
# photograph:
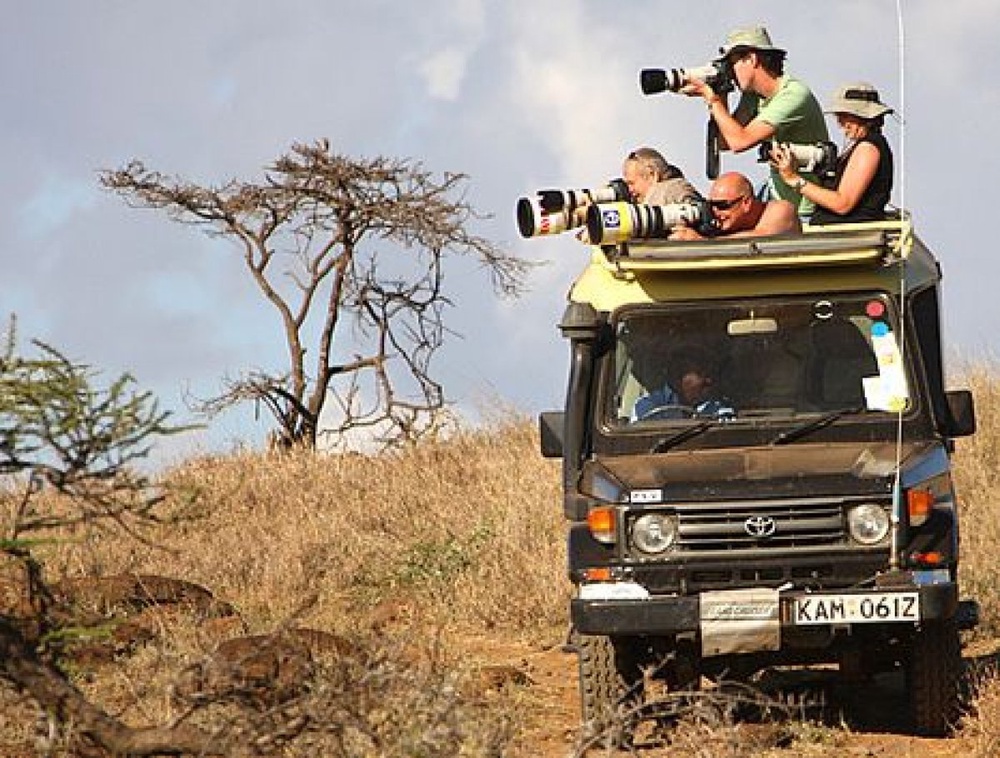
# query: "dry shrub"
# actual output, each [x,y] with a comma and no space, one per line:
[390,696]
[730,721]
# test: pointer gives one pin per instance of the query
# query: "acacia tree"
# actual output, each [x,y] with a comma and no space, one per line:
[61,432]
[350,254]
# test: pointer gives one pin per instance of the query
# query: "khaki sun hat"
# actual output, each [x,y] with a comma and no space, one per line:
[859,99]
[751,37]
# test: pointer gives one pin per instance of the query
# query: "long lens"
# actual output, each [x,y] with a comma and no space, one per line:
[611,223]
[534,221]
[819,158]
[558,200]
[653,81]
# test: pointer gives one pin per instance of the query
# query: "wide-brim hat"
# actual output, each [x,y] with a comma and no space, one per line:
[748,38]
[859,99]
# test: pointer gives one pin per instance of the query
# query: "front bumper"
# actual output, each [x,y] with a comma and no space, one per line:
[668,615]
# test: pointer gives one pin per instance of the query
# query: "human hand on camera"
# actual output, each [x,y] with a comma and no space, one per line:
[580,220]
[781,159]
[684,233]
[698,88]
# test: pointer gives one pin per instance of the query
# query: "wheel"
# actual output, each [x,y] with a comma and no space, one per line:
[933,671]
[611,687]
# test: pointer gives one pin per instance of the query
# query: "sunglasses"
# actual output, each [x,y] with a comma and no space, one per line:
[725,205]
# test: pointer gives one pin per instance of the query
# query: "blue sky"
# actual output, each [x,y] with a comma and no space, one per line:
[517,94]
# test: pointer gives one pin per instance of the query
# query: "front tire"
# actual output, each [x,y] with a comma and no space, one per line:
[933,674]
[611,687]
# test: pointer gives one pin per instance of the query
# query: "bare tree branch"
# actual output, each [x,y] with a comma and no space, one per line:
[350,254]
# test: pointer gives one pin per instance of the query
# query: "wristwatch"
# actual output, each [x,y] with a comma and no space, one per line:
[798,184]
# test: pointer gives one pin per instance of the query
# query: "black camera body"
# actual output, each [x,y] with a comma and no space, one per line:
[718,75]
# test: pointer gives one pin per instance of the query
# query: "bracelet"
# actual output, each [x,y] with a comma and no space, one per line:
[799,184]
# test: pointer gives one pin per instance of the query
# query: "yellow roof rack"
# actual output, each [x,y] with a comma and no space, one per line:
[848,244]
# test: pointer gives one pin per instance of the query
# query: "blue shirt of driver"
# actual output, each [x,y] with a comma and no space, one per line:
[665,396]
[675,407]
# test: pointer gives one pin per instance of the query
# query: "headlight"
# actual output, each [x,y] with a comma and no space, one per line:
[868,523]
[654,533]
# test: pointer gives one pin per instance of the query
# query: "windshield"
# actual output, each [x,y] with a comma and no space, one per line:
[757,358]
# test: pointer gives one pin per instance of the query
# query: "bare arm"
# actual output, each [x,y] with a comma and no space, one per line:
[736,136]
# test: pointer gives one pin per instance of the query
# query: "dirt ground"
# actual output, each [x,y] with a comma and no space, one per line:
[860,720]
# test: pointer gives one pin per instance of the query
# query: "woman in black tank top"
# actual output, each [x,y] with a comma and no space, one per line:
[862,178]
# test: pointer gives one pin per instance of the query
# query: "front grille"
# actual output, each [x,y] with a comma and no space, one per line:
[808,547]
[724,526]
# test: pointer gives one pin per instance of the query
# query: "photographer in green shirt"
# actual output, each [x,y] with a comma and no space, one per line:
[773,105]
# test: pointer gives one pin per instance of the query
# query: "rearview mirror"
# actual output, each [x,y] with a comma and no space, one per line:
[550,432]
[963,414]
[739,327]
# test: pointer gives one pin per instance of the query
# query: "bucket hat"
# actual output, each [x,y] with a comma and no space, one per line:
[859,99]
[751,38]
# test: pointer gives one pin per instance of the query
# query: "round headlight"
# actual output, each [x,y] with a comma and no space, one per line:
[654,532]
[868,523]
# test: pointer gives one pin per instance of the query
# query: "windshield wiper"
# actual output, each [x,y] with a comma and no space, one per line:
[665,443]
[811,426]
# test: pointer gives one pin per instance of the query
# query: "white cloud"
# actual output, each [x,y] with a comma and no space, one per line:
[519,94]
[443,73]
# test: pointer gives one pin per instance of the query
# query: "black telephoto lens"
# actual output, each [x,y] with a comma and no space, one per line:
[652,81]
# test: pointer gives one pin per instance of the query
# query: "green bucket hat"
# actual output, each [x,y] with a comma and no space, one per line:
[751,38]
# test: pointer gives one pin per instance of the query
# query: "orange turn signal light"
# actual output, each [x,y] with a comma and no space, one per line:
[919,503]
[928,559]
[599,574]
[601,522]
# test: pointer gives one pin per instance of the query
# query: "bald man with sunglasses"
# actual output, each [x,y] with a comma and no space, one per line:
[737,212]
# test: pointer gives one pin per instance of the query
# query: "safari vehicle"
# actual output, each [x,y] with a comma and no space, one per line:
[806,514]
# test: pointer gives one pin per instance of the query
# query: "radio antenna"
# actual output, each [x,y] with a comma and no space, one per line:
[897,488]
[900,31]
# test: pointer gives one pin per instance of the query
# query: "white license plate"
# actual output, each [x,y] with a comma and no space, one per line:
[856,609]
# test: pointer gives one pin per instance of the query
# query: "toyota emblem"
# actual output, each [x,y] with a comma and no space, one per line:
[760,527]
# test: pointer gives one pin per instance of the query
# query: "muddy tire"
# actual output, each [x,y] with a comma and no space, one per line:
[611,687]
[933,673]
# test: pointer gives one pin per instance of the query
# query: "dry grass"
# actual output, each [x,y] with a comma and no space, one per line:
[451,540]
[982,727]
[466,531]
[977,463]
[400,554]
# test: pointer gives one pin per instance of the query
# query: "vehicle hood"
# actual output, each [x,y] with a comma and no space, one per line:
[840,467]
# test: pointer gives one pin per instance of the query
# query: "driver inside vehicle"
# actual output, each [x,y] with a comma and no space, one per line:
[689,390]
